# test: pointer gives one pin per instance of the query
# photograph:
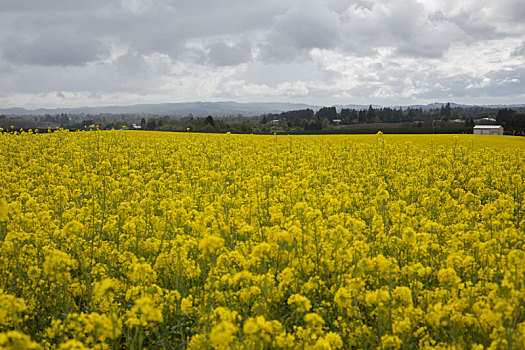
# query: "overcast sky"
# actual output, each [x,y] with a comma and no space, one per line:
[58,53]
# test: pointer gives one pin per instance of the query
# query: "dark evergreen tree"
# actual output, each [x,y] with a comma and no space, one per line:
[328,113]
[371,115]
[209,121]
[151,124]
[348,116]
[361,118]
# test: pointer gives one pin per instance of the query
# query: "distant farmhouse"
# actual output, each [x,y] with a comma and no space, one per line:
[488,130]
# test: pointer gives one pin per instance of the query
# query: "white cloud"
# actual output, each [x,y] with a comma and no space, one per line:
[508,80]
[483,83]
[138,7]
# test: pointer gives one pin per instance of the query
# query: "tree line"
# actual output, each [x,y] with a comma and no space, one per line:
[326,119]
[511,120]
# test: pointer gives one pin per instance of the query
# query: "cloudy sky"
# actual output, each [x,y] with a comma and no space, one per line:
[58,53]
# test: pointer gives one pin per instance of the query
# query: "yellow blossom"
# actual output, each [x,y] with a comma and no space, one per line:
[3,209]
[300,302]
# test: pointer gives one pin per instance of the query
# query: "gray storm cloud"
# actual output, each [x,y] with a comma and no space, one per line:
[59,48]
[60,52]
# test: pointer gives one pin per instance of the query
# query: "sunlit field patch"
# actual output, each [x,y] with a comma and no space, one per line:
[123,239]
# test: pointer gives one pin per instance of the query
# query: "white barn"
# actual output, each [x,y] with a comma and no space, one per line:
[488,130]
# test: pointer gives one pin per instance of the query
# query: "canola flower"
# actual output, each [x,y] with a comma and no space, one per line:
[131,240]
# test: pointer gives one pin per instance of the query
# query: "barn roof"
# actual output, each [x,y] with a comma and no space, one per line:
[487,126]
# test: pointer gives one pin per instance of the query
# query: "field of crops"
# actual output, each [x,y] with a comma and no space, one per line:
[125,239]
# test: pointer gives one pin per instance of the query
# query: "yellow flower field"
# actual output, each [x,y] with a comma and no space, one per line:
[124,239]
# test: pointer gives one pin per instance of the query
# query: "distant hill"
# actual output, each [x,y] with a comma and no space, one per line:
[200,109]
[172,109]
[436,105]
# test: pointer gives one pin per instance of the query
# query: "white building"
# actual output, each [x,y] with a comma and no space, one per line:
[488,130]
